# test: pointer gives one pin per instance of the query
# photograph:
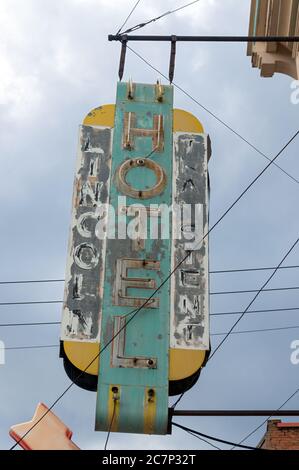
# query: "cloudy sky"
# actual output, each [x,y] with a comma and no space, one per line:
[55,65]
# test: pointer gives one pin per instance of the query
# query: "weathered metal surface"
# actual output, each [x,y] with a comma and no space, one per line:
[189,285]
[86,252]
[131,131]
[143,124]
[119,358]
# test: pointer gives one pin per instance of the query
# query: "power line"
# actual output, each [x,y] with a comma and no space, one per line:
[222,271]
[259,330]
[203,440]
[37,302]
[43,346]
[128,17]
[255,311]
[214,115]
[266,420]
[110,425]
[184,428]
[31,281]
[243,313]
[30,324]
[211,315]
[253,290]
[254,299]
[75,379]
[32,302]
[141,25]
[244,270]
[233,413]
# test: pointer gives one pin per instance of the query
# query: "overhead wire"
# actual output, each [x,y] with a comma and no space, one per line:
[220,271]
[110,425]
[203,440]
[243,313]
[128,17]
[254,299]
[258,330]
[270,310]
[266,420]
[212,438]
[152,20]
[273,310]
[244,270]
[39,302]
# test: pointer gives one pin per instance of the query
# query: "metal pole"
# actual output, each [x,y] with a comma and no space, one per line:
[119,37]
[233,413]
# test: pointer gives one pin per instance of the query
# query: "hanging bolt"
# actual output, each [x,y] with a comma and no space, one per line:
[151,394]
[115,393]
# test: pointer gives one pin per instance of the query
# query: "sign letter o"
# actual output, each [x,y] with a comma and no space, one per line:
[128,190]
[86,256]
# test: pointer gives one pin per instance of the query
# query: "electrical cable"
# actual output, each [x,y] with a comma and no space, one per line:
[32,302]
[256,311]
[254,299]
[243,313]
[223,271]
[43,346]
[275,289]
[214,115]
[212,438]
[38,302]
[128,17]
[244,270]
[3,325]
[203,440]
[31,281]
[110,425]
[259,330]
[266,420]
[291,309]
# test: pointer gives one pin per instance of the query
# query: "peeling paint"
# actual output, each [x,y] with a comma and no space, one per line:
[83,293]
[189,328]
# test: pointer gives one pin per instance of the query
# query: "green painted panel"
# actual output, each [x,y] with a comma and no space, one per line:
[147,336]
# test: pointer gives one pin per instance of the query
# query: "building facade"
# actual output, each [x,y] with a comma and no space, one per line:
[274,18]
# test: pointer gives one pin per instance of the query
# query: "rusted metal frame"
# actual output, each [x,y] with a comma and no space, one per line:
[233,413]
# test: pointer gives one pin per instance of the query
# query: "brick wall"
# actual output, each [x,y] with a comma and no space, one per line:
[281,436]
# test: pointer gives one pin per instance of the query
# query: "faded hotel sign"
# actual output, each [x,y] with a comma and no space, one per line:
[140,204]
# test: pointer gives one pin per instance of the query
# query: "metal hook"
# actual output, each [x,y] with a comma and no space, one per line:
[122,57]
[172,58]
